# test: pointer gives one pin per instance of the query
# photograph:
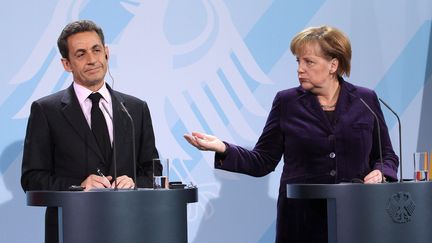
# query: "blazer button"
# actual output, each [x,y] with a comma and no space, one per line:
[332,172]
[332,155]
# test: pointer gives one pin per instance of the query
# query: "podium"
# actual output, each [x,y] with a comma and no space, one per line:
[375,213]
[144,215]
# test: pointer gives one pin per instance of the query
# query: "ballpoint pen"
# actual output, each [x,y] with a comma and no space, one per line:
[100,173]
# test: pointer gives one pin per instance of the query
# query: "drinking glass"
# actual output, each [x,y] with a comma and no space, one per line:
[160,178]
[421,166]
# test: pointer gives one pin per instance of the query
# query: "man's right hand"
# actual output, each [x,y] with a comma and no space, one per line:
[95,181]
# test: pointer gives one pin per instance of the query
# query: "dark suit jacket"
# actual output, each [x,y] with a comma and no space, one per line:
[60,149]
[315,151]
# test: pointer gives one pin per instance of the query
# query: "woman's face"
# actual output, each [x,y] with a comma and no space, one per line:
[314,70]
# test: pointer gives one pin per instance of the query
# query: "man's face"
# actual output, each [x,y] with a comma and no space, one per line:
[87,59]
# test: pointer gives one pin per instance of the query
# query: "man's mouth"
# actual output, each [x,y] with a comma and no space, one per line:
[92,70]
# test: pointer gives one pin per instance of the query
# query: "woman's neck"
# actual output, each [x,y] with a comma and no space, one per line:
[328,98]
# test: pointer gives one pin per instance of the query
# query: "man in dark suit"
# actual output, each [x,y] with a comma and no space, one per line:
[62,146]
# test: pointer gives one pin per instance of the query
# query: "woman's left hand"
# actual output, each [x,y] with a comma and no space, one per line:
[374,176]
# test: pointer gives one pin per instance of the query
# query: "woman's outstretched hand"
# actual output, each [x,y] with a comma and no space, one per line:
[205,142]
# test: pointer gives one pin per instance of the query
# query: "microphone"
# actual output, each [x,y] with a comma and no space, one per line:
[400,137]
[114,153]
[379,137]
[133,143]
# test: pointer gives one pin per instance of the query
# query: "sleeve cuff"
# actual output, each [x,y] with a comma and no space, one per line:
[220,157]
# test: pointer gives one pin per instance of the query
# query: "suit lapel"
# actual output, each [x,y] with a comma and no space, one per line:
[311,104]
[73,113]
[346,97]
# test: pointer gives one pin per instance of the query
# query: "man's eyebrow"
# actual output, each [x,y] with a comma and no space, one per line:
[96,46]
[80,50]
[84,50]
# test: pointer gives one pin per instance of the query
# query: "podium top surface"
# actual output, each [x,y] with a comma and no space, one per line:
[142,195]
[316,191]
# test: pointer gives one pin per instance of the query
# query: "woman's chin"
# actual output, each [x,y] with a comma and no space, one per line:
[306,86]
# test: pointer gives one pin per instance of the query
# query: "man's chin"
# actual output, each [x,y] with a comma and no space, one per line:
[92,83]
[95,79]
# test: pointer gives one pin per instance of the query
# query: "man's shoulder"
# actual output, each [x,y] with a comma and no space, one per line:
[52,98]
[126,98]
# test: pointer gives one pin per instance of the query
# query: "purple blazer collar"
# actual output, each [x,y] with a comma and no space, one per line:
[347,96]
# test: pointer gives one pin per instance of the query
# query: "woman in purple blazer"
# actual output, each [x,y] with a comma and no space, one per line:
[323,129]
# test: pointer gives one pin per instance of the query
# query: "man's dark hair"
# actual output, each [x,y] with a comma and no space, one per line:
[74,28]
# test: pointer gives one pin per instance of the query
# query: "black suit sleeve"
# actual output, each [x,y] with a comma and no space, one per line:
[38,155]
[146,150]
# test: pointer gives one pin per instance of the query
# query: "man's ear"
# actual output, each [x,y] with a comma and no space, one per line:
[106,52]
[66,64]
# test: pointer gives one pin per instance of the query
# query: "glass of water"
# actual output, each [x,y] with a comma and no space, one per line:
[421,166]
[160,173]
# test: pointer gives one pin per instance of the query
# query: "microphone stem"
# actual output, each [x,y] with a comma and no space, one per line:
[133,144]
[379,138]
[133,154]
[114,161]
[400,137]
[114,150]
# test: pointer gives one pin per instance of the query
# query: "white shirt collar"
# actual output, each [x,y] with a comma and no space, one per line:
[82,93]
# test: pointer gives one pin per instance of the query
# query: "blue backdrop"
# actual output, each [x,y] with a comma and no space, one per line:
[212,66]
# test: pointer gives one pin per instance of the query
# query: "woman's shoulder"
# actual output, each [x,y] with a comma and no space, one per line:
[358,90]
[291,93]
